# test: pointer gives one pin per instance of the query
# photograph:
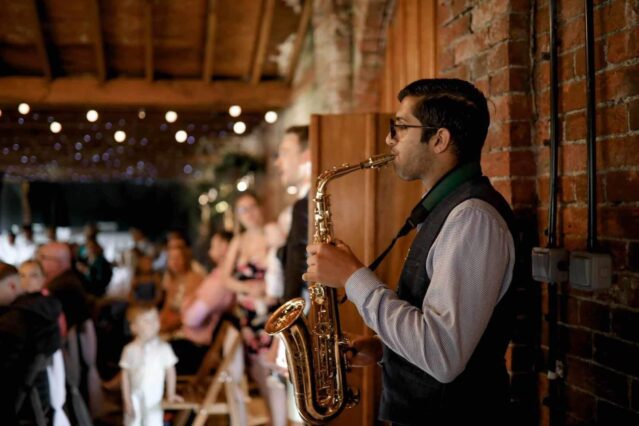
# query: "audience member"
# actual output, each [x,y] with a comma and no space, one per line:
[179,283]
[201,313]
[147,362]
[32,277]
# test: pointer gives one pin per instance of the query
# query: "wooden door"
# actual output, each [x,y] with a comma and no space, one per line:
[368,208]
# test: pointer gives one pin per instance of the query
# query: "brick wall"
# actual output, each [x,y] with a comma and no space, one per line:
[502,46]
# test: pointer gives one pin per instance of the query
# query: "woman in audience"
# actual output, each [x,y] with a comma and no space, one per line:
[243,272]
[179,283]
[201,313]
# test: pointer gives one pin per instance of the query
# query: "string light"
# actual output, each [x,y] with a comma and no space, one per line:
[203,199]
[92,115]
[270,117]
[119,136]
[55,127]
[170,116]
[180,136]
[239,127]
[221,207]
[242,186]
[24,108]
[141,114]
[235,111]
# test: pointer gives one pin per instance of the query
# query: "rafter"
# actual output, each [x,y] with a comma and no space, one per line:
[268,9]
[302,28]
[40,40]
[96,25]
[149,71]
[193,94]
[209,47]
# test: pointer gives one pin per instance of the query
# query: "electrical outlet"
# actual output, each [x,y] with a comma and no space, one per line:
[590,271]
[549,264]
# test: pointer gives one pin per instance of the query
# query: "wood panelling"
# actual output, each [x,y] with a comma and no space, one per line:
[410,49]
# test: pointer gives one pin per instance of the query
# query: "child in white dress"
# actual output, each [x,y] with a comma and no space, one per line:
[145,363]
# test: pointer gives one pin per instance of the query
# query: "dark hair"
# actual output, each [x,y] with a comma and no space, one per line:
[225,235]
[453,104]
[302,135]
[7,270]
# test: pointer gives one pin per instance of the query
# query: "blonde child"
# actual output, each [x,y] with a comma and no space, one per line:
[146,362]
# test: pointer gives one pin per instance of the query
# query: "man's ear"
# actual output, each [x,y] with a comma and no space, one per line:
[306,155]
[443,141]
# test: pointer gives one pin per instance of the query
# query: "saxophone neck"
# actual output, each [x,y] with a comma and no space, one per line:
[374,162]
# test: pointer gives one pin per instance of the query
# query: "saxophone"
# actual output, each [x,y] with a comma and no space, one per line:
[315,346]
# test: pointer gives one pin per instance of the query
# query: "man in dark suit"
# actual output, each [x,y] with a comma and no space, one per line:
[294,165]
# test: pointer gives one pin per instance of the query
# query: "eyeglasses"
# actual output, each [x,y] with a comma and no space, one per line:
[394,127]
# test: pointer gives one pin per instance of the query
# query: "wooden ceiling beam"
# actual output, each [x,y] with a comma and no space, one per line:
[209,46]
[149,71]
[268,10]
[40,41]
[302,28]
[194,94]
[96,25]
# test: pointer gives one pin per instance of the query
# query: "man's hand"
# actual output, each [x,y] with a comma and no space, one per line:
[330,265]
[365,351]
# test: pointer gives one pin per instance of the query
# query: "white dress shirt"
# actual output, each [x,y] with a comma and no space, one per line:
[470,266]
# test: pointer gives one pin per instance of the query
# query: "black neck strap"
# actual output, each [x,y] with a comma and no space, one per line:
[447,184]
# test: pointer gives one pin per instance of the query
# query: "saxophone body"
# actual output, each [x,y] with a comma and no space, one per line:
[315,346]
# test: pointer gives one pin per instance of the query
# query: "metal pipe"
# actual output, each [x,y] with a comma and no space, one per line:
[554,127]
[553,332]
[591,127]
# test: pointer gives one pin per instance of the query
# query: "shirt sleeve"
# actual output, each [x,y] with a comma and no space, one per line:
[168,356]
[470,266]
[126,360]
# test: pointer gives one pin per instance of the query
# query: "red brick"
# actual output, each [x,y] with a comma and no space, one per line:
[612,120]
[575,126]
[618,152]
[622,186]
[445,59]
[453,30]
[513,133]
[523,192]
[496,164]
[619,222]
[569,9]
[579,404]
[542,18]
[572,96]
[571,34]
[459,6]
[580,59]
[504,188]
[596,380]
[542,74]
[617,83]
[482,85]
[572,157]
[478,66]
[468,47]
[444,13]
[622,46]
[565,66]
[542,101]
[512,107]
[594,316]
[633,112]
[574,220]
[609,18]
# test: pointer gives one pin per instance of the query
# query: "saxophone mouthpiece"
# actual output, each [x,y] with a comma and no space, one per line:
[377,161]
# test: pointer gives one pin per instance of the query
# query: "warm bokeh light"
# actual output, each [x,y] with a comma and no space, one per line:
[235,111]
[221,207]
[270,117]
[170,116]
[239,127]
[24,108]
[203,199]
[92,115]
[242,186]
[180,136]
[119,136]
[55,127]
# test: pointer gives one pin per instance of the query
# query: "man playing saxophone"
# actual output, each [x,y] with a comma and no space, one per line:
[444,332]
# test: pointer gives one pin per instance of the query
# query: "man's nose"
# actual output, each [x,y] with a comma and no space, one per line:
[389,140]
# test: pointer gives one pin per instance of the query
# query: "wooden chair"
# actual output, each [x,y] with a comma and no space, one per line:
[203,394]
